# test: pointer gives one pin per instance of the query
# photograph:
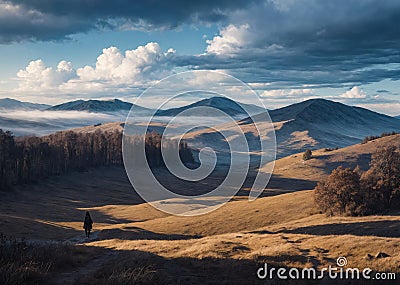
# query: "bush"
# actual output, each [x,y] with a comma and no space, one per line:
[307,154]
[26,263]
[331,149]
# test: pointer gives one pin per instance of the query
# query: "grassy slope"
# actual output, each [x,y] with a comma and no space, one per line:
[284,229]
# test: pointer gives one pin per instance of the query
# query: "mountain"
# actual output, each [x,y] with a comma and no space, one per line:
[319,123]
[315,123]
[12,104]
[226,105]
[98,106]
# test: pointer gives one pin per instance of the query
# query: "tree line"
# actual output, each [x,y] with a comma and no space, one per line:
[371,138]
[31,158]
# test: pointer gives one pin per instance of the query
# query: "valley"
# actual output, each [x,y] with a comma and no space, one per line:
[282,228]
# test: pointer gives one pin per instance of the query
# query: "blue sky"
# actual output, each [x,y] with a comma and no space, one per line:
[288,51]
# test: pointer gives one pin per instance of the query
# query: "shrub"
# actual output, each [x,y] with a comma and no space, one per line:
[27,263]
[331,149]
[307,154]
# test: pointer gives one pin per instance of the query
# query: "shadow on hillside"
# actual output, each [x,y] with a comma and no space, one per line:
[290,184]
[151,268]
[385,228]
[361,160]
[19,226]
[135,233]
[278,185]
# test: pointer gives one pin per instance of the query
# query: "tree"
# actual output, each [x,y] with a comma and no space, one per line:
[358,193]
[341,193]
[384,176]
[307,154]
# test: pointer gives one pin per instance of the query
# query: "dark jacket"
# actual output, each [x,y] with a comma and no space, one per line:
[87,224]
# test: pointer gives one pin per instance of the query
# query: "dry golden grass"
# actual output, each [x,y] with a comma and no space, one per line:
[323,162]
[228,244]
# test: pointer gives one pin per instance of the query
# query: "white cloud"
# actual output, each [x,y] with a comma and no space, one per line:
[39,77]
[286,93]
[141,64]
[231,39]
[354,93]
[113,71]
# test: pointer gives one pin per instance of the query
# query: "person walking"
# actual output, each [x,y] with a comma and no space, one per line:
[87,224]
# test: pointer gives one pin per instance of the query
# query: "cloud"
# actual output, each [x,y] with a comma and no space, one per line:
[284,42]
[230,40]
[354,93]
[114,71]
[143,63]
[287,93]
[308,42]
[60,116]
[57,19]
[38,77]
[20,22]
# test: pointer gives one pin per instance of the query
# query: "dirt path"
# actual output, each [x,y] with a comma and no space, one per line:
[74,275]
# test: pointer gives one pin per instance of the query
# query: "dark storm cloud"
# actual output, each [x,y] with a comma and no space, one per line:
[313,42]
[297,70]
[329,43]
[56,19]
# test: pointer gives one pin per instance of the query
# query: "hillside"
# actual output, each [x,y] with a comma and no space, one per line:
[12,104]
[284,230]
[226,105]
[99,106]
[314,123]
[324,161]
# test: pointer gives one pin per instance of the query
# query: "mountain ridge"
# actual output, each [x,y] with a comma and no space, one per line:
[228,106]
[315,123]
[13,104]
[95,106]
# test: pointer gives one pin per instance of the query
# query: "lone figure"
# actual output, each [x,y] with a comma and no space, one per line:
[87,224]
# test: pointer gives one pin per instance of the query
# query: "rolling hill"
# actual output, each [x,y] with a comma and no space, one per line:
[12,104]
[283,230]
[315,123]
[226,105]
[323,161]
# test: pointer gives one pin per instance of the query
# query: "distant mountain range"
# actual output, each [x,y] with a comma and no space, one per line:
[12,104]
[315,123]
[226,105]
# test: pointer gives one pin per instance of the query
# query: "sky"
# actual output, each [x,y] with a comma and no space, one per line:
[288,51]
